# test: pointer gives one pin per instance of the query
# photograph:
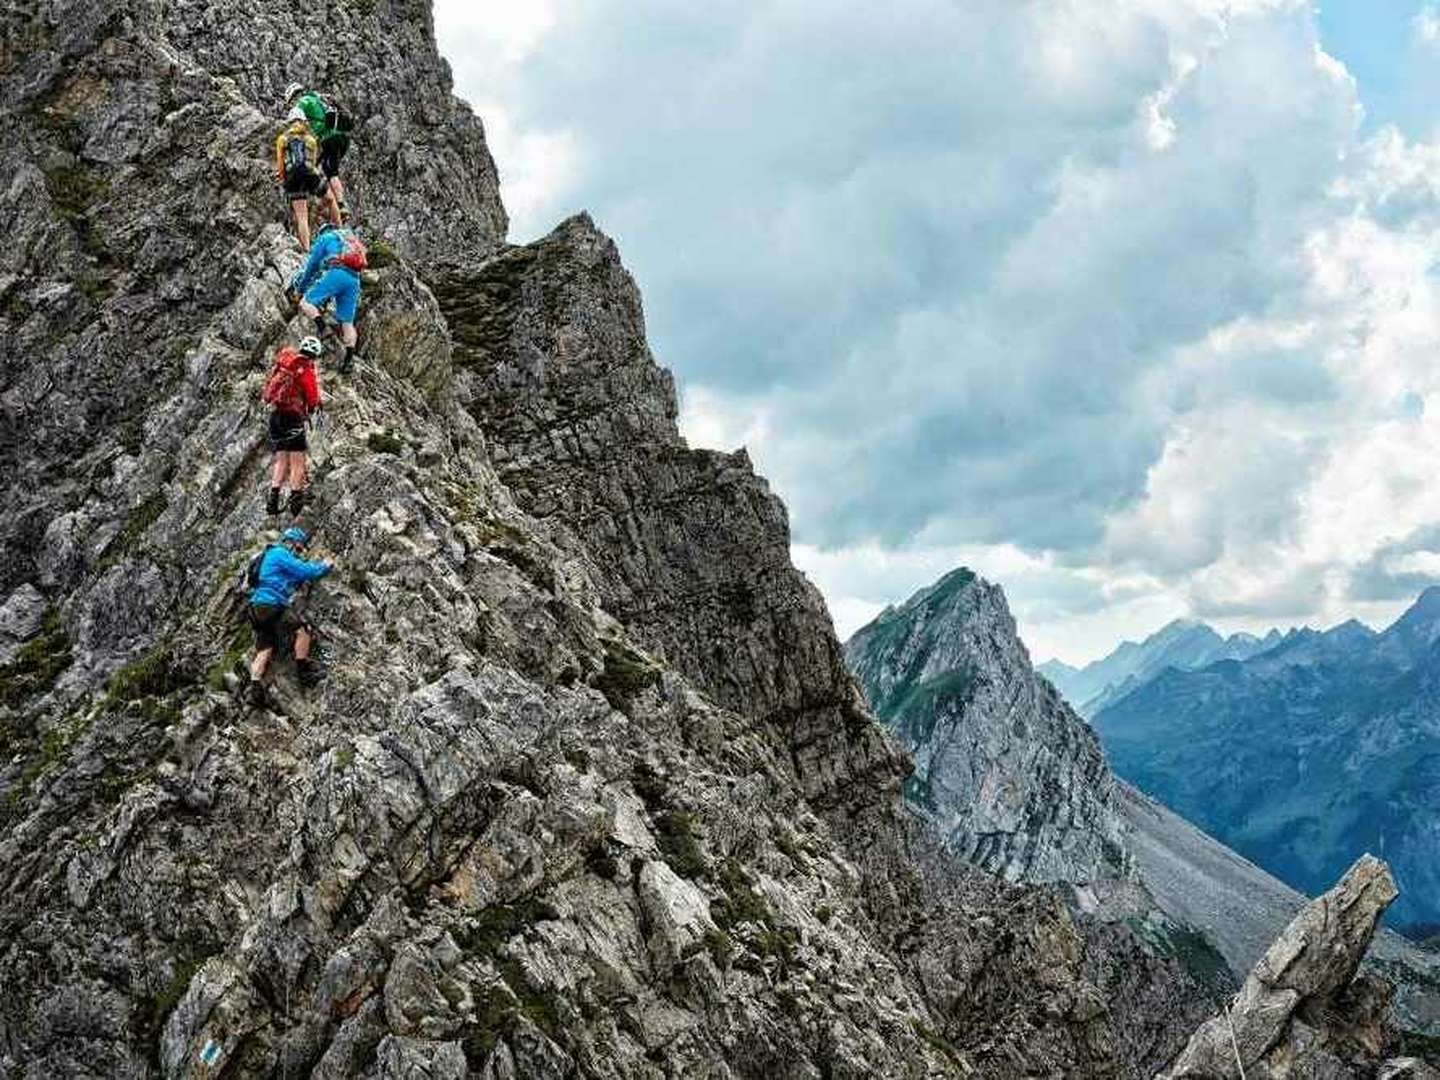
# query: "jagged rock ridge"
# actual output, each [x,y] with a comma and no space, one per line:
[578,796]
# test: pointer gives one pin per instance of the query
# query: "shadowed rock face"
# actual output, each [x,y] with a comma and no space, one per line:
[1011,777]
[1303,1011]
[586,792]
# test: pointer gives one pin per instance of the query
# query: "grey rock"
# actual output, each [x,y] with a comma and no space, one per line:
[21,617]
[1004,769]
[1301,1011]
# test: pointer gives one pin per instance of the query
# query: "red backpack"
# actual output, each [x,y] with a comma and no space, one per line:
[354,257]
[283,389]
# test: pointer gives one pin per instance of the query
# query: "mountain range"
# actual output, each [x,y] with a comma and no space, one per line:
[1013,779]
[1184,643]
[1305,754]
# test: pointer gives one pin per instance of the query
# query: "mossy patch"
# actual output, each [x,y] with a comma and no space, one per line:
[385,442]
[627,673]
[53,746]
[493,926]
[154,674]
[136,525]
[678,845]
[36,666]
[237,649]
[381,254]
[741,903]
[74,189]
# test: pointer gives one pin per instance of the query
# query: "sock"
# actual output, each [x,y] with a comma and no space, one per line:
[348,360]
[273,503]
[297,500]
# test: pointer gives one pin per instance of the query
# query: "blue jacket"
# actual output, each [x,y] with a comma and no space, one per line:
[327,246]
[281,573]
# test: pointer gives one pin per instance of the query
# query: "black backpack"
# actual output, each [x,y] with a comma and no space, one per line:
[337,119]
[250,579]
[297,156]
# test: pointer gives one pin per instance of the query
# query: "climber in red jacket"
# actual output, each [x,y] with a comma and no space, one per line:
[292,390]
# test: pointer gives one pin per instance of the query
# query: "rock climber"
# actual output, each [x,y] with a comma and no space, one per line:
[297,168]
[332,272]
[280,573]
[292,390]
[331,126]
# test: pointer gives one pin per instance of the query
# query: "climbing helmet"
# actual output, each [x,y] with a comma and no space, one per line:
[310,346]
[293,91]
[295,535]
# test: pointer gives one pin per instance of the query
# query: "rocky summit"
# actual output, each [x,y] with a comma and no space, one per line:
[1009,775]
[585,791]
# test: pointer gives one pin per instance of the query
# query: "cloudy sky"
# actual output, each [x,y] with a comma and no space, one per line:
[1131,305]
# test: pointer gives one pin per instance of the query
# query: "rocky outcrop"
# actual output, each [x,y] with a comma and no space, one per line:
[1006,771]
[689,548]
[586,790]
[1303,1011]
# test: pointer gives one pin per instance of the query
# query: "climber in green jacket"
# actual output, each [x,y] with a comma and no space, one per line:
[331,126]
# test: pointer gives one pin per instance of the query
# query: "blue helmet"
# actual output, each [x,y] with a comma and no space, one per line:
[295,535]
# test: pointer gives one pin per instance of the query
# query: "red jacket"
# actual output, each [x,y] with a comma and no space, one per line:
[292,385]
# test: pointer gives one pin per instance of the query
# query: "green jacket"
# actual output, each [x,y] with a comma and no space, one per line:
[314,108]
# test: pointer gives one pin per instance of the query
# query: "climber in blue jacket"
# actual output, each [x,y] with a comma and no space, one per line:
[281,571]
[332,272]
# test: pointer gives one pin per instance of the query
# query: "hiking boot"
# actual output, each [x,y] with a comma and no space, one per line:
[297,502]
[272,504]
[255,694]
[347,363]
[308,671]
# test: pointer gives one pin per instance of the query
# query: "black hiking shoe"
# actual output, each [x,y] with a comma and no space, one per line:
[297,502]
[272,504]
[309,672]
[255,694]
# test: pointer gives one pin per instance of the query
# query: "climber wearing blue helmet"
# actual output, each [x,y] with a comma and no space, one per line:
[280,571]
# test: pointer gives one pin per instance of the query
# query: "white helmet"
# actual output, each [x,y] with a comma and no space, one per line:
[295,114]
[311,347]
[293,91]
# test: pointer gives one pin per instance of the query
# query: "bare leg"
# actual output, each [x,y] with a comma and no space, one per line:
[309,310]
[301,207]
[332,200]
[278,468]
[302,644]
[348,334]
[297,470]
[261,662]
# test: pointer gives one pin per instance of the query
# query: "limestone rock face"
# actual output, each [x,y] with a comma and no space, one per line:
[586,790]
[1007,772]
[1303,1012]
[689,548]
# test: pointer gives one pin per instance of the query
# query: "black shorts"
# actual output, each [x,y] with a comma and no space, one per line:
[331,151]
[302,183]
[287,432]
[274,625]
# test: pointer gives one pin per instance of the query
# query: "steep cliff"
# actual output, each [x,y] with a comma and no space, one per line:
[586,790]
